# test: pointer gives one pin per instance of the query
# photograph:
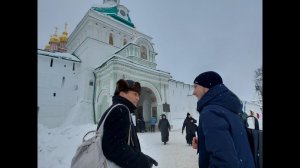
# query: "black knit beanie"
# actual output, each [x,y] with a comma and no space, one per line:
[208,79]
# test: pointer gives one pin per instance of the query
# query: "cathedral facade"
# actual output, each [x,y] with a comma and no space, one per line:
[77,74]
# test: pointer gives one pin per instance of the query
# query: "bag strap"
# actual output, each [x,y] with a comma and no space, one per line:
[256,124]
[129,135]
[87,134]
[100,130]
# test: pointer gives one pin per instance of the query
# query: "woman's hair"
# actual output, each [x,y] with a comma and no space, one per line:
[126,85]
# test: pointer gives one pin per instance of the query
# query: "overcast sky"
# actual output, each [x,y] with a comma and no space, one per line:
[190,36]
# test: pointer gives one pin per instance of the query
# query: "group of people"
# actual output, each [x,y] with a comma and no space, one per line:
[221,140]
[140,125]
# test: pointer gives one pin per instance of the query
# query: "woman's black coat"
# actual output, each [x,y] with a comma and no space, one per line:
[115,137]
[189,123]
[164,127]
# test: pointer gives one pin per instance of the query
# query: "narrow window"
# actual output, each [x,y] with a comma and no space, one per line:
[111,40]
[124,42]
[63,82]
[91,83]
[51,62]
[143,52]
[54,94]
[73,66]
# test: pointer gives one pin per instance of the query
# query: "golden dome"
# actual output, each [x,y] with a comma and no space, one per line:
[65,33]
[47,47]
[54,38]
[64,36]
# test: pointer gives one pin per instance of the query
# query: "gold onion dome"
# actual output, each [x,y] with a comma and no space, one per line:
[64,36]
[54,38]
[47,47]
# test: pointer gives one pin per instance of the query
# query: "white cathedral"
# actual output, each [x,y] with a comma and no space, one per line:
[77,73]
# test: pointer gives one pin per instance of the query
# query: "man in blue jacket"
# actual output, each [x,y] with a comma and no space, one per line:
[222,139]
[152,123]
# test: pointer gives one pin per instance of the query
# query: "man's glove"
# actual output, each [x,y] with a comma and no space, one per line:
[152,161]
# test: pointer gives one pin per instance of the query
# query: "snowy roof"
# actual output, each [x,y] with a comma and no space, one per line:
[66,56]
[112,11]
[129,62]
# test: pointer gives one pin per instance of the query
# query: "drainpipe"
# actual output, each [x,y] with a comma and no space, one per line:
[95,122]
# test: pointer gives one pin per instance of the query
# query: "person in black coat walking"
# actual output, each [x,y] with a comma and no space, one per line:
[164,127]
[190,130]
[116,129]
[222,139]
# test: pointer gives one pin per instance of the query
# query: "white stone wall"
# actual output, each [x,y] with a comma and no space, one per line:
[90,43]
[90,39]
[181,102]
[50,82]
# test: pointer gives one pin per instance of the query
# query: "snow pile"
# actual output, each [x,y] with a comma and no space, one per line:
[79,115]
[57,146]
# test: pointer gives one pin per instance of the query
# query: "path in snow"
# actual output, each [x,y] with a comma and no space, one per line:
[175,154]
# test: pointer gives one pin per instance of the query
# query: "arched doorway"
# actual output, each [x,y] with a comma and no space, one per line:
[147,107]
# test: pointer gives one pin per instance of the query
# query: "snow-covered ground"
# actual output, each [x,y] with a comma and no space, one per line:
[56,147]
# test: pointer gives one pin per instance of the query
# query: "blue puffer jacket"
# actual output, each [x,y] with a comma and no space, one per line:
[221,135]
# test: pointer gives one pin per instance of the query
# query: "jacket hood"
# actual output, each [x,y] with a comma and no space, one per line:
[222,96]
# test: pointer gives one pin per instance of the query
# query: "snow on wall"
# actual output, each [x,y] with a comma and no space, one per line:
[256,110]
[57,89]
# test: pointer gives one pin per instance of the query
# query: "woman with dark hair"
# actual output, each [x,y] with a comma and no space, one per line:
[164,127]
[120,143]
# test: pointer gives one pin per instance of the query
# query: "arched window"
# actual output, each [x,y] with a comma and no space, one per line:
[143,52]
[111,40]
[124,42]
